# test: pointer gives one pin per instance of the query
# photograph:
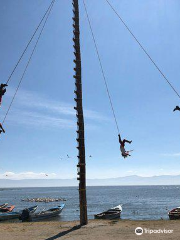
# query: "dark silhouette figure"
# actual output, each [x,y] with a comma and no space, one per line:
[177,108]
[2,91]
[1,129]
[124,153]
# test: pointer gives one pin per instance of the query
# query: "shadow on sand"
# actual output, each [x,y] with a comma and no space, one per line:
[64,233]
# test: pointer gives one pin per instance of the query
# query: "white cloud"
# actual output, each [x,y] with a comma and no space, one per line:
[39,120]
[131,172]
[33,109]
[27,175]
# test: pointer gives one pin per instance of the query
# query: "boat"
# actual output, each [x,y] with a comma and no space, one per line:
[7,209]
[117,208]
[112,213]
[26,216]
[108,215]
[3,205]
[15,215]
[174,213]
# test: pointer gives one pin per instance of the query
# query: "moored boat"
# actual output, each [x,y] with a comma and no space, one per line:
[14,215]
[9,216]
[112,213]
[26,216]
[117,208]
[3,205]
[7,209]
[174,214]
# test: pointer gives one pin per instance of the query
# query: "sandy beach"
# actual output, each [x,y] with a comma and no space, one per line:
[95,230]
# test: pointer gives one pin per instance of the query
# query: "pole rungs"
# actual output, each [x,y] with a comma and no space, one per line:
[79,114]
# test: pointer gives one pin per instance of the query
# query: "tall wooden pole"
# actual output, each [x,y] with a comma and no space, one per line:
[80,119]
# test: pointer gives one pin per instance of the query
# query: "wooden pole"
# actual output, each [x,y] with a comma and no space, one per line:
[81,167]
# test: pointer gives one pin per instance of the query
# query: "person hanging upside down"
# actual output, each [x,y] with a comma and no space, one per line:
[1,129]
[177,108]
[2,91]
[124,153]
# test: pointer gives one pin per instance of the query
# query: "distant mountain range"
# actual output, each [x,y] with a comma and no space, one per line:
[120,181]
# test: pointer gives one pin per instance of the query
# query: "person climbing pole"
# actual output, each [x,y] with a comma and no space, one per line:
[124,153]
[2,91]
[1,129]
[177,108]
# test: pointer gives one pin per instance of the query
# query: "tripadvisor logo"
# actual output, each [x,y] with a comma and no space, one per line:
[138,231]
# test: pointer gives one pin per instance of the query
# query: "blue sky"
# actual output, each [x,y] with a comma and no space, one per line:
[40,128]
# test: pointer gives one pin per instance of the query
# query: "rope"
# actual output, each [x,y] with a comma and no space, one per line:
[28,62]
[144,50]
[10,76]
[102,70]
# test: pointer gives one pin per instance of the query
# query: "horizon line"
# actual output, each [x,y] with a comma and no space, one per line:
[167,175]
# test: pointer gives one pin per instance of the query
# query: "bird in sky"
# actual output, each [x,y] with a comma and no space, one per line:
[177,108]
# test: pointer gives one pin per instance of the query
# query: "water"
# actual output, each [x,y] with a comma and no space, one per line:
[139,202]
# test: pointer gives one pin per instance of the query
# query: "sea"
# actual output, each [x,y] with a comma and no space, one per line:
[138,202]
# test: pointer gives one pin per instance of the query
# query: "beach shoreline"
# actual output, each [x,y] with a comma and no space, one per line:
[95,230]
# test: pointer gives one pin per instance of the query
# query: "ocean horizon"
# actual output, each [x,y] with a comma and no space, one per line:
[138,202]
[132,180]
